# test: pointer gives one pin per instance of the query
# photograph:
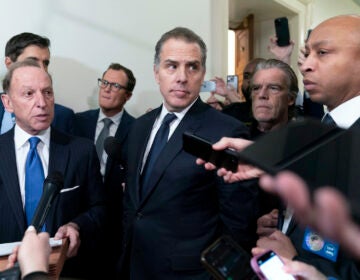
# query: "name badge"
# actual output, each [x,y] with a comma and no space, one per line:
[325,248]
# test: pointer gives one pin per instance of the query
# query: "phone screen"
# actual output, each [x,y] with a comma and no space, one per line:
[271,266]
[233,80]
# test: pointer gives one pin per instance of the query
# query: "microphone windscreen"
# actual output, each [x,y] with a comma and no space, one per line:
[112,147]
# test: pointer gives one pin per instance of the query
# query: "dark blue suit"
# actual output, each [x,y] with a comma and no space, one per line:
[85,126]
[187,207]
[63,117]
[82,203]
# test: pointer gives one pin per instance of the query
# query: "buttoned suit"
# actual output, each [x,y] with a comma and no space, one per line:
[187,207]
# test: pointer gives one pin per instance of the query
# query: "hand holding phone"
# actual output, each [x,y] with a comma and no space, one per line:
[202,148]
[269,266]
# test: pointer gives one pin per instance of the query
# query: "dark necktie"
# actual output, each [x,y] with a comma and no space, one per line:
[102,136]
[327,119]
[34,179]
[157,146]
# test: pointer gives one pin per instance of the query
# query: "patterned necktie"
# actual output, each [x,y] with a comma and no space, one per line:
[157,146]
[34,179]
[327,119]
[102,136]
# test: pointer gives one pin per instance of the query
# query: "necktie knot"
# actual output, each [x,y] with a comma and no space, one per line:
[34,141]
[327,119]
[169,118]
[107,122]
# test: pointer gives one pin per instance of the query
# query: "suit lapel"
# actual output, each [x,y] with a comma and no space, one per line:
[59,157]
[120,134]
[10,177]
[191,121]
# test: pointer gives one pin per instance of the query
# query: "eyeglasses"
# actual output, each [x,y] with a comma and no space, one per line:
[115,87]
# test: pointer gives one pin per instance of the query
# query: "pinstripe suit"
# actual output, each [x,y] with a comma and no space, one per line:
[82,203]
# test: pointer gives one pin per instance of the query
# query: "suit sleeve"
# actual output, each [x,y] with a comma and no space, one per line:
[92,220]
[239,207]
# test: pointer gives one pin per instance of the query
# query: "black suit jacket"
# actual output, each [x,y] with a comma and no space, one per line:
[81,200]
[63,117]
[187,207]
[85,126]
[344,267]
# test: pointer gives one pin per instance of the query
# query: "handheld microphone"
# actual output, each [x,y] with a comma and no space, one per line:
[112,147]
[52,185]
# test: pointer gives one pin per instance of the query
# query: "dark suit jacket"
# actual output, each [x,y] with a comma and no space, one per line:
[63,117]
[76,159]
[344,267]
[187,207]
[85,126]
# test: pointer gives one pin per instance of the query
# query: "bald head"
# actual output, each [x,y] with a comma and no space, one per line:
[332,63]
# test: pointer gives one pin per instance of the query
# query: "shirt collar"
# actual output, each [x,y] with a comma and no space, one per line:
[116,118]
[21,137]
[179,115]
[346,114]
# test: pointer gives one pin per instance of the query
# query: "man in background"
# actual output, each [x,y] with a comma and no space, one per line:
[111,119]
[28,45]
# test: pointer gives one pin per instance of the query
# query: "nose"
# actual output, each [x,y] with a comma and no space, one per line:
[263,93]
[181,75]
[308,65]
[40,100]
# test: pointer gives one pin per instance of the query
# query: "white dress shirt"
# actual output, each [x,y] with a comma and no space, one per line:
[116,119]
[172,126]
[22,147]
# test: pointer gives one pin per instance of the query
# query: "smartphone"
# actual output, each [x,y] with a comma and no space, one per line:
[202,148]
[208,86]
[282,31]
[233,80]
[268,266]
[308,34]
[225,259]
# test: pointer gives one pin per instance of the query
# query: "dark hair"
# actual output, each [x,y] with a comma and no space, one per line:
[131,78]
[291,78]
[19,64]
[16,45]
[185,34]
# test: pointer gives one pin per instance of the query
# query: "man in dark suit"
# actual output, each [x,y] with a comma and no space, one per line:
[174,209]
[28,45]
[115,89]
[78,211]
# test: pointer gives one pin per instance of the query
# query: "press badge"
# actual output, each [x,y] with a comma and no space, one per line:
[314,243]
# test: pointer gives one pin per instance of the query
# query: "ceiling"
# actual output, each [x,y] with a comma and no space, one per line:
[261,9]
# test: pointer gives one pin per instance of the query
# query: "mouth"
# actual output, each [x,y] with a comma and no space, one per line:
[180,92]
[42,117]
[309,85]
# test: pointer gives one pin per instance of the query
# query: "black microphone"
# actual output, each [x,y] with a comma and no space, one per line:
[112,147]
[53,183]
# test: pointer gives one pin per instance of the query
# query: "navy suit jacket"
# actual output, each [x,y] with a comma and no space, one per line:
[82,199]
[187,207]
[85,126]
[63,117]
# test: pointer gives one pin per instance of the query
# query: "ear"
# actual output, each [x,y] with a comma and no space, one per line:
[8,62]
[7,102]
[156,73]
[128,95]
[291,100]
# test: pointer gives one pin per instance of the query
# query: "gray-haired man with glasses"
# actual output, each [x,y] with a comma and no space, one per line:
[111,119]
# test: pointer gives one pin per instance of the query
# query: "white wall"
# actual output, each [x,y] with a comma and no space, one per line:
[86,36]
